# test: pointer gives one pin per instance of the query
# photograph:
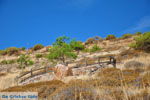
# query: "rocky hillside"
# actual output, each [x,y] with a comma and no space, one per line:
[82,78]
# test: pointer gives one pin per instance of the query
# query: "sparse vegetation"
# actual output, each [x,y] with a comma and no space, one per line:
[93,40]
[142,42]
[128,81]
[38,55]
[8,62]
[3,52]
[24,61]
[125,36]
[138,33]
[37,47]
[77,46]
[95,48]
[110,37]
[10,51]
[23,48]
[90,41]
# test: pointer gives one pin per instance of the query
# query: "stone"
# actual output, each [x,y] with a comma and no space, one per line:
[62,71]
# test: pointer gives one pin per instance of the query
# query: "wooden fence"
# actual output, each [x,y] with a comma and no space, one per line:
[34,72]
[110,60]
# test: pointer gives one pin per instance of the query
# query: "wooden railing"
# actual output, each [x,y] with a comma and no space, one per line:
[110,60]
[33,72]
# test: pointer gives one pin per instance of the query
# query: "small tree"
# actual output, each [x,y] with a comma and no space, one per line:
[61,53]
[61,40]
[61,50]
[77,46]
[110,37]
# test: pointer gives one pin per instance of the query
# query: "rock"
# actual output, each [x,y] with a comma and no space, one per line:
[84,70]
[133,64]
[62,71]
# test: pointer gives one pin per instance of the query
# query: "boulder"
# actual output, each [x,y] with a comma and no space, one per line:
[62,71]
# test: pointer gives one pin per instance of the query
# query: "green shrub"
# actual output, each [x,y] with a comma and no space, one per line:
[110,37]
[133,45]
[30,62]
[23,48]
[95,48]
[24,61]
[38,55]
[138,33]
[11,61]
[86,50]
[93,40]
[8,62]
[61,53]
[142,42]
[77,45]
[37,47]
[128,35]
[4,62]
[90,41]
[3,52]
[12,51]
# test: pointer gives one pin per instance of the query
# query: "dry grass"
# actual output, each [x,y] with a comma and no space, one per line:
[107,84]
[43,88]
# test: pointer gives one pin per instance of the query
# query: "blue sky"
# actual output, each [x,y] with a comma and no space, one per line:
[24,23]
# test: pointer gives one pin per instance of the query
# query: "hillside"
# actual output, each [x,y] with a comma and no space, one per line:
[84,77]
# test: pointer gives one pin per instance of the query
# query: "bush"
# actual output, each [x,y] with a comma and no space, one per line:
[77,45]
[3,52]
[98,38]
[90,41]
[93,40]
[142,42]
[138,33]
[7,62]
[95,48]
[4,62]
[30,62]
[39,55]
[128,35]
[12,50]
[37,47]
[110,37]
[24,61]
[23,48]
[133,64]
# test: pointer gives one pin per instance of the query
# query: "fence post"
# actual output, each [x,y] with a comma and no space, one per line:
[31,73]
[86,64]
[99,60]
[45,69]
[114,62]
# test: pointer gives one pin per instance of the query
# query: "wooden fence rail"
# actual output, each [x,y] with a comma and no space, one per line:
[23,77]
[44,70]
